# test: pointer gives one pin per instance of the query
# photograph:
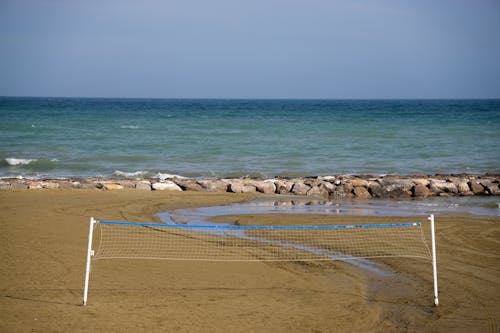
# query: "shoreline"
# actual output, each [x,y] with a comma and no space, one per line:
[332,187]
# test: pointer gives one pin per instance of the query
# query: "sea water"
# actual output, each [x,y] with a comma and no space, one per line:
[82,137]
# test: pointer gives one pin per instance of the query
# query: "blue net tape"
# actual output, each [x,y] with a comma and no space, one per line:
[196,226]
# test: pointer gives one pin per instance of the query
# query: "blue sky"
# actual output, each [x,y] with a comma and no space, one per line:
[251,49]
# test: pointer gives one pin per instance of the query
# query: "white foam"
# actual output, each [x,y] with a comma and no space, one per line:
[163,176]
[130,127]
[135,174]
[18,161]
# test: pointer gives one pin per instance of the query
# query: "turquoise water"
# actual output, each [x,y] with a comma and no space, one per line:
[230,138]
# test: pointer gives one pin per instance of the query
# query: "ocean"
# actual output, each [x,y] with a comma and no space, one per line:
[87,137]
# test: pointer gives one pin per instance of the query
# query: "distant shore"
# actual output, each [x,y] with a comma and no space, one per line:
[333,187]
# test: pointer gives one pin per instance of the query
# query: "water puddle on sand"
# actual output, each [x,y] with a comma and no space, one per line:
[298,205]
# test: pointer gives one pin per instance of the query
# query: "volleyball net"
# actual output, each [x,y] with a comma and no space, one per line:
[135,240]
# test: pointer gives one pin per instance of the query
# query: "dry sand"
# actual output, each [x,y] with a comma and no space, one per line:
[44,235]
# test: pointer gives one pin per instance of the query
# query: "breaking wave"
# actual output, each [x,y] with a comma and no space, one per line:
[18,161]
[136,174]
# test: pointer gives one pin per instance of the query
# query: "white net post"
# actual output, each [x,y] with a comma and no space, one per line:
[434,262]
[90,253]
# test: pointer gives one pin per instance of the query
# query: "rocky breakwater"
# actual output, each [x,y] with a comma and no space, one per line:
[333,187]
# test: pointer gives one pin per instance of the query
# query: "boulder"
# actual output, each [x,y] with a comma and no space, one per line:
[341,192]
[300,188]
[112,186]
[493,188]
[4,185]
[421,191]
[266,186]
[144,185]
[318,191]
[463,187]
[399,183]
[19,185]
[375,189]
[390,190]
[50,185]
[237,186]
[359,182]
[421,181]
[127,183]
[283,186]
[361,192]
[166,186]
[213,185]
[65,184]
[475,187]
[188,184]
[35,185]
[328,186]
[438,186]
[348,187]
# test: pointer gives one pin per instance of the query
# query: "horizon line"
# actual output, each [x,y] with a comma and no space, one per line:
[258,98]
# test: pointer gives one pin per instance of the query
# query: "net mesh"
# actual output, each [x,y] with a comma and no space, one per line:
[260,243]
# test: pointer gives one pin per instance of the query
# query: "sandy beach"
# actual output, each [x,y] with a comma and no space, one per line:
[44,237]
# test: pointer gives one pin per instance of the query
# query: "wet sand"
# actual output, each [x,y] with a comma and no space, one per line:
[43,245]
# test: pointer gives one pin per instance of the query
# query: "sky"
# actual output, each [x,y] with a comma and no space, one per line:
[250,49]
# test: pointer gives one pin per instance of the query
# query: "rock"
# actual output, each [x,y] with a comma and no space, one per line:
[361,192]
[475,187]
[391,188]
[112,187]
[266,186]
[375,189]
[76,185]
[144,185]
[438,186]
[337,182]
[35,185]
[328,186]
[348,187]
[300,188]
[87,185]
[341,192]
[188,184]
[166,186]
[213,185]
[50,185]
[404,185]
[463,187]
[311,182]
[19,185]
[65,184]
[318,191]
[421,191]
[359,182]
[127,183]
[493,189]
[421,181]
[467,194]
[237,186]
[283,186]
